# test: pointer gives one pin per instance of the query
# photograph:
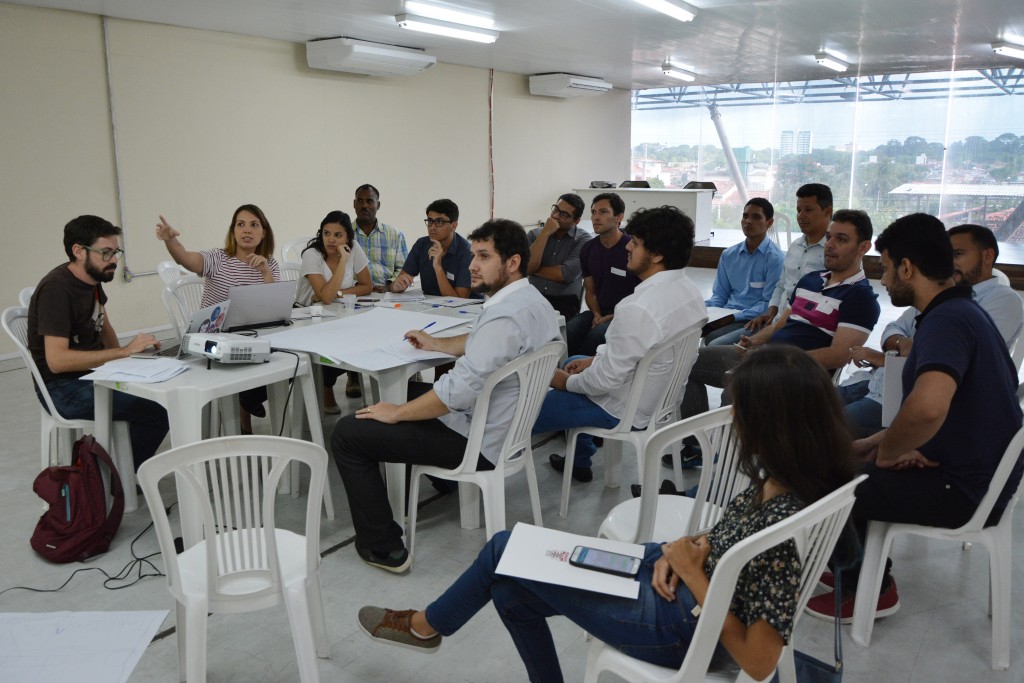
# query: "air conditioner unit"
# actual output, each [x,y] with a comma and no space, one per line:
[567,85]
[361,57]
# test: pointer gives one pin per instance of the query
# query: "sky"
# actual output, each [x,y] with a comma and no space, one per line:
[834,124]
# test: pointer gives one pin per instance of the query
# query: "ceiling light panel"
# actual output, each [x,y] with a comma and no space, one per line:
[1008,49]
[448,13]
[675,9]
[445,28]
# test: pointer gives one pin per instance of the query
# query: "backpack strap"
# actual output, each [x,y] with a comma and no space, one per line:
[113,518]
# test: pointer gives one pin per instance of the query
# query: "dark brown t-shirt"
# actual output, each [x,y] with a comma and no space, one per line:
[64,306]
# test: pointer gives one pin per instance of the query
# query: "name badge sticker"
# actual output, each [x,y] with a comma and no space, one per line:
[450,277]
[617,271]
[757,285]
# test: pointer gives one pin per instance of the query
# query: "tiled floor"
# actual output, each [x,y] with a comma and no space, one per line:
[941,634]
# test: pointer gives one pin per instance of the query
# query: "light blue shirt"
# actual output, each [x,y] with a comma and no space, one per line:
[744,281]
[1001,303]
[801,258]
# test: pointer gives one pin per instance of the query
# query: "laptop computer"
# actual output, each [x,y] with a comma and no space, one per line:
[262,305]
[210,319]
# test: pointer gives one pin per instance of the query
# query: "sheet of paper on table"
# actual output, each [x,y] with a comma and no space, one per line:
[360,340]
[149,370]
[402,297]
[85,647]
[715,313]
[541,554]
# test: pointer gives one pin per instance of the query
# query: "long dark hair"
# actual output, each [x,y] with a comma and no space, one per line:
[339,217]
[790,424]
[266,245]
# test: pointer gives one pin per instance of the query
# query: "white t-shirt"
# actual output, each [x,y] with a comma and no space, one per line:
[313,264]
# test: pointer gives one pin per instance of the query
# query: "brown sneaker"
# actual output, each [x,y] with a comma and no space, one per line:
[331,406]
[393,627]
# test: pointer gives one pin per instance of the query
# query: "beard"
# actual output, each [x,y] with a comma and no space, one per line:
[901,294]
[969,278]
[106,274]
[490,288]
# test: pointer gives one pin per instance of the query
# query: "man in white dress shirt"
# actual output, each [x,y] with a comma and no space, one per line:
[431,428]
[592,391]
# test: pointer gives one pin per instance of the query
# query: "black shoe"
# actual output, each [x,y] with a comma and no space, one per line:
[598,441]
[255,408]
[396,561]
[668,488]
[443,486]
[691,457]
[580,474]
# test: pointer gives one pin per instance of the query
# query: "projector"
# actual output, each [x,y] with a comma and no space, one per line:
[227,348]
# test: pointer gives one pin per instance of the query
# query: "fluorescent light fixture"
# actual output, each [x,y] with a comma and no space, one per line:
[1008,49]
[445,28]
[670,69]
[675,9]
[447,14]
[834,63]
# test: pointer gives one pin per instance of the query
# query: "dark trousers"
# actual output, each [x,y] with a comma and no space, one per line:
[915,496]
[359,446]
[568,306]
[147,420]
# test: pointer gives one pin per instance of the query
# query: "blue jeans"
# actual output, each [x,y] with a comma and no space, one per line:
[648,628]
[582,337]
[147,420]
[863,414]
[565,410]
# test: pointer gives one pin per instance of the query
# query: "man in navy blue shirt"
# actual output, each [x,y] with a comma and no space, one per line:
[934,463]
[441,259]
[829,312]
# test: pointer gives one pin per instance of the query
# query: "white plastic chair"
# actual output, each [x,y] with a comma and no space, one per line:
[181,299]
[1001,277]
[533,373]
[55,450]
[25,296]
[170,272]
[243,563]
[653,517]
[815,530]
[998,539]
[292,249]
[681,351]
[290,270]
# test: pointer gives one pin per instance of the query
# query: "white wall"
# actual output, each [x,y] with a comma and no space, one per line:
[207,121]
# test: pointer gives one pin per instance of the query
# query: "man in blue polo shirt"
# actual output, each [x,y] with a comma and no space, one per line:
[935,462]
[747,273]
[829,312]
[441,259]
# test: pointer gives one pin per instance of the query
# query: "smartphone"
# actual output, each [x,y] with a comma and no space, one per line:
[605,561]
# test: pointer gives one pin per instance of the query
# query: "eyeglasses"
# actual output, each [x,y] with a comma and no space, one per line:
[105,254]
[564,215]
[439,222]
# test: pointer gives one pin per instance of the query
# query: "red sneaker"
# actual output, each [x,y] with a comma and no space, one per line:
[823,606]
[827,581]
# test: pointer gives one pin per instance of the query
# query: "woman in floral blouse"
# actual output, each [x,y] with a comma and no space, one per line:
[795,447]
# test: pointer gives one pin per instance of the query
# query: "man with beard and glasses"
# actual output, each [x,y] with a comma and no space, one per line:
[69,333]
[974,253]
[935,462]
[431,428]
[592,391]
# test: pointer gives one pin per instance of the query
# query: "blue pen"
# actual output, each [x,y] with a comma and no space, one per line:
[465,312]
[425,327]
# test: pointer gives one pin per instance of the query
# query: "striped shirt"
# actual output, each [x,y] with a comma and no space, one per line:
[385,247]
[222,272]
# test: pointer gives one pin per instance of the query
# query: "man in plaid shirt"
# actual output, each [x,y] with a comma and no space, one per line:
[384,245]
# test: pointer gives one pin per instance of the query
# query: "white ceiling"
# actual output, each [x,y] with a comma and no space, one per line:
[730,41]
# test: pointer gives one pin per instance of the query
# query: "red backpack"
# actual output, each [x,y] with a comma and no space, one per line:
[77,525]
